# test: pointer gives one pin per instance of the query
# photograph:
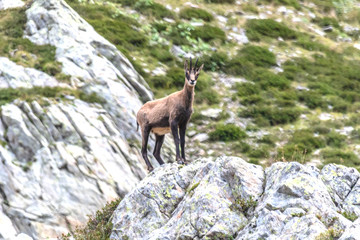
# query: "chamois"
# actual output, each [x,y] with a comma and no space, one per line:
[169,114]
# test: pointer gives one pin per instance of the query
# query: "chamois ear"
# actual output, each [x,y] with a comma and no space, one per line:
[185,65]
[200,68]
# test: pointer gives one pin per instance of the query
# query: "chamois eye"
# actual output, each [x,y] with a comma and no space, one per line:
[187,76]
[196,77]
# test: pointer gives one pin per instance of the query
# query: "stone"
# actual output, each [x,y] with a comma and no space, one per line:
[211,112]
[5,4]
[182,207]
[230,197]
[201,137]
[15,76]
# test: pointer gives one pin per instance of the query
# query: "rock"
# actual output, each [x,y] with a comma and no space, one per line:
[211,112]
[352,232]
[199,199]
[177,51]
[230,197]
[5,4]
[328,29]
[201,137]
[82,51]
[15,76]
[239,37]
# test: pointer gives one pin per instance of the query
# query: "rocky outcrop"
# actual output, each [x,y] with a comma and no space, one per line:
[13,75]
[231,199]
[63,159]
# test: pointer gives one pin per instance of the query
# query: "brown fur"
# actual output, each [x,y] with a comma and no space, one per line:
[169,114]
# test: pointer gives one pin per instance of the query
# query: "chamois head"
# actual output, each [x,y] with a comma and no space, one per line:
[192,73]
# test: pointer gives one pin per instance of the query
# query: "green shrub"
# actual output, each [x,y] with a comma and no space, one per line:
[241,147]
[268,139]
[208,33]
[293,152]
[209,96]
[261,152]
[98,226]
[248,7]
[190,12]
[161,53]
[228,132]
[252,99]
[320,129]
[177,75]
[307,43]
[327,21]
[116,28]
[159,26]
[8,95]
[180,33]
[239,66]
[312,99]
[336,140]
[156,10]
[293,3]
[257,28]
[216,61]
[247,89]
[302,143]
[340,157]
[268,115]
[268,79]
[259,56]
[219,1]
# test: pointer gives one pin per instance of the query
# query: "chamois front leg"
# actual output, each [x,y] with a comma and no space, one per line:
[182,141]
[145,137]
[175,132]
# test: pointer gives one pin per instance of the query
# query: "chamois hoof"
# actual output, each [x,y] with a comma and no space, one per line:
[150,169]
[180,161]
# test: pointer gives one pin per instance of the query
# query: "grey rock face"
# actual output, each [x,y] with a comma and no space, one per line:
[205,199]
[78,163]
[5,4]
[82,51]
[15,76]
[63,160]
[231,199]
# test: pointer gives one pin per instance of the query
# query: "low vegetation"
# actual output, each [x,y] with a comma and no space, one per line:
[8,95]
[197,13]
[256,29]
[98,226]
[227,132]
[21,50]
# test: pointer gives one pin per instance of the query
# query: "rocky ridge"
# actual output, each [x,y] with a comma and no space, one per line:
[62,159]
[231,199]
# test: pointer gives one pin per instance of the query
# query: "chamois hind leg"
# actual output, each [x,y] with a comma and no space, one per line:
[158,145]
[182,142]
[145,137]
[175,132]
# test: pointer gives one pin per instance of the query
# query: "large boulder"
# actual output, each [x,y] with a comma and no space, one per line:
[231,199]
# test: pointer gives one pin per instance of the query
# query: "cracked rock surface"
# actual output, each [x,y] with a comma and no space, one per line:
[63,159]
[231,199]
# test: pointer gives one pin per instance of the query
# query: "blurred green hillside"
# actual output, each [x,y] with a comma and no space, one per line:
[281,79]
